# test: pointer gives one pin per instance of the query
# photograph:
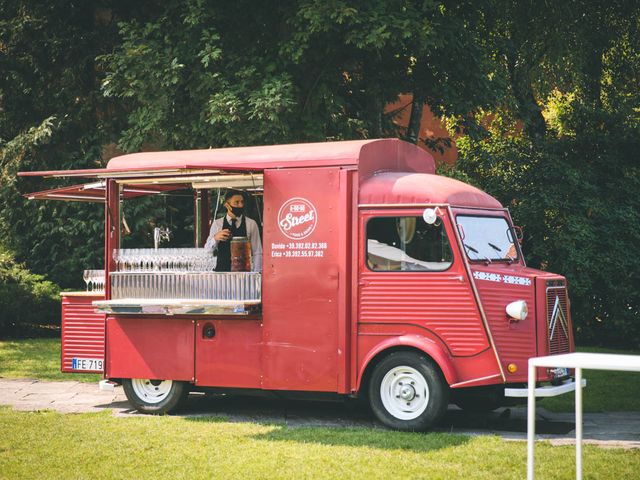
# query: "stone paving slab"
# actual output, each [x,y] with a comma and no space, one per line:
[615,429]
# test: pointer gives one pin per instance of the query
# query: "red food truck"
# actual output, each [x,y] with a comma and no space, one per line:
[379,279]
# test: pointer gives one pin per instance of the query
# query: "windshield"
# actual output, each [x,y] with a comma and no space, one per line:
[487,238]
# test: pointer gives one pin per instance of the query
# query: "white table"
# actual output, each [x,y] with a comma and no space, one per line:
[578,361]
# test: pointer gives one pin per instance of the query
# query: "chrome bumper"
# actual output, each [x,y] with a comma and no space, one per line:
[547,391]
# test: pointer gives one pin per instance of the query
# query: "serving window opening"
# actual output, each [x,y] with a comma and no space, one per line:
[165,263]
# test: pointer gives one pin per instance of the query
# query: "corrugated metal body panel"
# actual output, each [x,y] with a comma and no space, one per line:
[438,301]
[82,331]
[515,340]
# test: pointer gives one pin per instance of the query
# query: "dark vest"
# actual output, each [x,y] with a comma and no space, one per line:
[224,248]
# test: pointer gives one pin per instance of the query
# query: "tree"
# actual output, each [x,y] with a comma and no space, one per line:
[572,177]
[200,75]
[52,116]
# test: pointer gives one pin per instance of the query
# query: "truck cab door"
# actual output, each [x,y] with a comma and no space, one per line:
[412,281]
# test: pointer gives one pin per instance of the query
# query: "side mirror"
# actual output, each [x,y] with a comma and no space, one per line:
[519,234]
[430,215]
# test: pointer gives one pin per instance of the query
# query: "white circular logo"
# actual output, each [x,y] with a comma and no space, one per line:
[297,218]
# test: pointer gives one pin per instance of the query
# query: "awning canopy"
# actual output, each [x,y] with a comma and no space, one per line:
[95,192]
[369,156]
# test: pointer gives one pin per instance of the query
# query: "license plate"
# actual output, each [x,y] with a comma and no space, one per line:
[92,364]
[560,372]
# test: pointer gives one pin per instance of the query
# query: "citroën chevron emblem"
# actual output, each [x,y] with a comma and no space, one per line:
[557,315]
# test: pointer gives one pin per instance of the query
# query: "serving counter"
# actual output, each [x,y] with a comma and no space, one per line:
[176,306]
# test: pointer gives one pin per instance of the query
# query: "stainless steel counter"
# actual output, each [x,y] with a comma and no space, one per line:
[176,306]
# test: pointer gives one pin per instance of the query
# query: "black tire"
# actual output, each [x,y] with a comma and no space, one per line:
[142,394]
[393,382]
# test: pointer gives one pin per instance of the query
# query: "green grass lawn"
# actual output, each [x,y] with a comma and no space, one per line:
[51,445]
[36,358]
[606,391]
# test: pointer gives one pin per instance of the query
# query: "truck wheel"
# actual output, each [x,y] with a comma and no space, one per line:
[407,392]
[154,396]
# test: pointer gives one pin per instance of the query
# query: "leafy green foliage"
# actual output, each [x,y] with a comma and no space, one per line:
[52,116]
[27,301]
[198,75]
[577,198]
[558,81]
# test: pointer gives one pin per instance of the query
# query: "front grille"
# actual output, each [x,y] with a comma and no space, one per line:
[558,327]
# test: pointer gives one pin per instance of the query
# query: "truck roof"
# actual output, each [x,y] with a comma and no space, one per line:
[390,171]
[402,188]
[368,156]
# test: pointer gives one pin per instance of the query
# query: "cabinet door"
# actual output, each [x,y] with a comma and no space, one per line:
[157,348]
[228,353]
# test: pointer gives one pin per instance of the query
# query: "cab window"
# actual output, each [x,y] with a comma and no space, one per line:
[407,244]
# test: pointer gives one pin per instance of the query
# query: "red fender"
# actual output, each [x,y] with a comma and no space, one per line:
[424,344]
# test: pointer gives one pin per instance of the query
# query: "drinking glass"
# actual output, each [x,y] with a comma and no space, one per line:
[86,278]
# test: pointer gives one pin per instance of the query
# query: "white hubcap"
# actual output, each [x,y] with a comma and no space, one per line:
[404,393]
[151,391]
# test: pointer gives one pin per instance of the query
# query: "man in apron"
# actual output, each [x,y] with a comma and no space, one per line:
[234,224]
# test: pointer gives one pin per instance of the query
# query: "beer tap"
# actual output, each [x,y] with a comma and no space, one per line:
[160,234]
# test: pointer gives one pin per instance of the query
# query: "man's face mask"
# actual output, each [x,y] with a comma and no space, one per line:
[237,211]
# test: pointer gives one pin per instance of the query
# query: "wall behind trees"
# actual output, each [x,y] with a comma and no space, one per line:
[558,81]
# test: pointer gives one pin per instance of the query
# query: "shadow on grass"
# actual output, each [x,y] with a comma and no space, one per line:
[324,423]
[366,437]
[340,414]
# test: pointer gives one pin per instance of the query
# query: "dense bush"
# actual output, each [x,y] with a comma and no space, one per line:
[575,193]
[29,304]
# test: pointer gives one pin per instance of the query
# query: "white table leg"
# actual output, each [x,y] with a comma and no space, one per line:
[578,423]
[531,420]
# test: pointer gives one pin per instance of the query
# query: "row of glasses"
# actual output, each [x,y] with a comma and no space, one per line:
[94,280]
[164,259]
[239,286]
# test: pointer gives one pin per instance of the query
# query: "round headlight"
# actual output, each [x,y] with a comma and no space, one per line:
[518,310]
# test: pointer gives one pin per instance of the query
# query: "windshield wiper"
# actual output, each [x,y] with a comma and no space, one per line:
[469,247]
[497,249]
[511,259]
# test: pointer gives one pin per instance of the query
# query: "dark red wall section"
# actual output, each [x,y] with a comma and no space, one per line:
[301,277]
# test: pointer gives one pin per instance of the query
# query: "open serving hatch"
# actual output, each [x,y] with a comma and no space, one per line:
[96,192]
[150,185]
[167,293]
